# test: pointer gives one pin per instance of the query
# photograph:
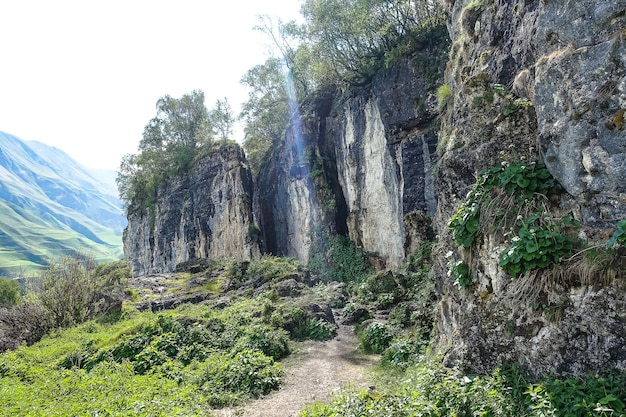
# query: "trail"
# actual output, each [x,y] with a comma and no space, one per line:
[313,374]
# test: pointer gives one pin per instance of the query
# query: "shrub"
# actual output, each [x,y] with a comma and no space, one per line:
[273,267]
[226,379]
[303,325]
[274,343]
[9,292]
[375,337]
[27,322]
[72,292]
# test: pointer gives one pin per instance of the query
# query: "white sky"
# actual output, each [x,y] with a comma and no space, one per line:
[85,75]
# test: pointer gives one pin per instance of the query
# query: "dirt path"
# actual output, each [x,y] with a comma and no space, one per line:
[313,374]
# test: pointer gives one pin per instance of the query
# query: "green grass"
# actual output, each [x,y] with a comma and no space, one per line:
[429,389]
[184,362]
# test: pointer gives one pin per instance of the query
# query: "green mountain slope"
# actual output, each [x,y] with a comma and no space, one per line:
[51,206]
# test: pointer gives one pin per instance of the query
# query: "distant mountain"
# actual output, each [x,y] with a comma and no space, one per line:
[51,206]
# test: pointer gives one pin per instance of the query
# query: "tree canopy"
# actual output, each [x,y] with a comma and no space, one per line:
[340,43]
[181,129]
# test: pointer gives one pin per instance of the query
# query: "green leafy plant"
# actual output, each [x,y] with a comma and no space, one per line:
[9,292]
[537,245]
[619,236]
[460,274]
[513,104]
[375,337]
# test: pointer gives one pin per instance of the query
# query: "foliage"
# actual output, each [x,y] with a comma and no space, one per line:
[619,236]
[539,241]
[26,323]
[514,104]
[113,273]
[339,259]
[303,325]
[444,96]
[351,39]
[222,120]
[169,144]
[375,336]
[521,180]
[431,390]
[71,290]
[9,292]
[273,267]
[537,245]
[266,113]
[183,362]
[225,378]
[459,273]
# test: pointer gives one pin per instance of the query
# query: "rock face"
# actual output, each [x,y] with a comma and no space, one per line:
[206,213]
[567,58]
[580,96]
[359,165]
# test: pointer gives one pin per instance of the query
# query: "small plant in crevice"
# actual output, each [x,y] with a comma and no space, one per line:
[513,104]
[537,245]
[444,96]
[512,191]
[619,236]
[459,273]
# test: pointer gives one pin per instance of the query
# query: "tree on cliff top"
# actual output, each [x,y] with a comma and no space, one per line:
[171,140]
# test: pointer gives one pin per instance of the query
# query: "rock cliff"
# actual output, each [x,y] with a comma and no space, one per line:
[534,91]
[206,213]
[359,163]
[534,82]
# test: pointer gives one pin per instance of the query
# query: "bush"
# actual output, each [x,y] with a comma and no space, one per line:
[27,322]
[228,379]
[274,343]
[9,292]
[72,291]
[375,337]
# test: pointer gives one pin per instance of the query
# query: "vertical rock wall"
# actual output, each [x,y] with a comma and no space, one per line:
[360,164]
[206,213]
[567,58]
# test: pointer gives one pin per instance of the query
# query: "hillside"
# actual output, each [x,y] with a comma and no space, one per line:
[52,206]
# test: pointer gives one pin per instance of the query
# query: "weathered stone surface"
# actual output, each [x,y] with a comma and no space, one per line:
[580,94]
[206,213]
[568,58]
[357,165]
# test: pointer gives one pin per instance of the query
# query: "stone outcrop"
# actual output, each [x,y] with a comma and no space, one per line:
[580,95]
[206,213]
[567,58]
[359,164]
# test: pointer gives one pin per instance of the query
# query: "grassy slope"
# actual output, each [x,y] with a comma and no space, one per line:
[51,206]
[196,357]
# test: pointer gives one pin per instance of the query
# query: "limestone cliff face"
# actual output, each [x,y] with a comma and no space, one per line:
[359,164]
[206,213]
[567,58]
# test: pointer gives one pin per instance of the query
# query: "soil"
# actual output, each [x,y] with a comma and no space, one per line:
[314,373]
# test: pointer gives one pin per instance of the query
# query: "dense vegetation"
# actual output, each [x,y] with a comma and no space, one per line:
[178,362]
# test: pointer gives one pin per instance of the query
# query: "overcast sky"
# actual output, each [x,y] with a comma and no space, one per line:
[85,76]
